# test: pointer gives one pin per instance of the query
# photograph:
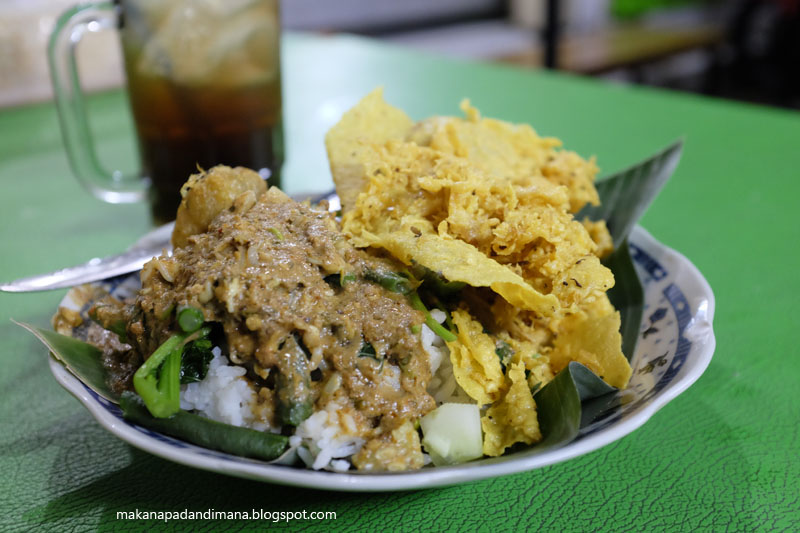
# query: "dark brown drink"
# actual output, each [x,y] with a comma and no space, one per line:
[195,108]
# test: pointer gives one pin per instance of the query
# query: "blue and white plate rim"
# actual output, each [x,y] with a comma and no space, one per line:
[667,275]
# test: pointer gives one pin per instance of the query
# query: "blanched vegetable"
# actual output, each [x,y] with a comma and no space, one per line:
[452,433]
[158,380]
[437,328]
[436,282]
[195,360]
[190,319]
[390,281]
[205,432]
[293,384]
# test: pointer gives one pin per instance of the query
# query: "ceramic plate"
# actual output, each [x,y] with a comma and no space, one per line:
[675,347]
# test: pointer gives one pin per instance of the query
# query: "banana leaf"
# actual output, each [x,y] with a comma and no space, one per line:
[626,195]
[85,362]
[560,404]
[627,296]
[624,198]
[80,358]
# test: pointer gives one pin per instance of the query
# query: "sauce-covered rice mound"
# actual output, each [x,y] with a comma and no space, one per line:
[290,296]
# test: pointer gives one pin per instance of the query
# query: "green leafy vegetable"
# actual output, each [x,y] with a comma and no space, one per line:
[118,327]
[367,350]
[340,280]
[157,381]
[205,432]
[195,360]
[154,383]
[168,311]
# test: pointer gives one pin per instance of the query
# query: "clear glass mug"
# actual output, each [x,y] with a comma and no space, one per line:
[204,87]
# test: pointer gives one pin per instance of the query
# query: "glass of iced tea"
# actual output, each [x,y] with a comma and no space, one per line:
[204,87]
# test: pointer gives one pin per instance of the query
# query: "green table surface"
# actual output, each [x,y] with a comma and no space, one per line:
[722,456]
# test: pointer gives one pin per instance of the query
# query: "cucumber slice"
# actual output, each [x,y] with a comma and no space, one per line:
[452,433]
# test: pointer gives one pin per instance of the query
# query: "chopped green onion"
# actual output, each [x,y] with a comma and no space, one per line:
[344,279]
[437,328]
[415,329]
[277,233]
[190,319]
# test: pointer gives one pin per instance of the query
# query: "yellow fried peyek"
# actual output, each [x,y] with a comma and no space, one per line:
[513,418]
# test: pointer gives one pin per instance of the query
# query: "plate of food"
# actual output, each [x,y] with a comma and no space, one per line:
[476,305]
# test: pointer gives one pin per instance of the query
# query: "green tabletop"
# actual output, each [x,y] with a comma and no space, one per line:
[722,456]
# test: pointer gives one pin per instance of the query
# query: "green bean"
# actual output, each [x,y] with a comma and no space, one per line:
[205,432]
[190,319]
[340,280]
[437,328]
[436,282]
[294,399]
[390,281]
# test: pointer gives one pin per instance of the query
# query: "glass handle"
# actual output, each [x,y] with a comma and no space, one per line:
[114,187]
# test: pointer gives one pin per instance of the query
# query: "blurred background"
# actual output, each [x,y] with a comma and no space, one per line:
[746,50]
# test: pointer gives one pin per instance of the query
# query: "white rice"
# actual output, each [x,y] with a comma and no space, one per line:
[326,437]
[329,437]
[224,395]
[443,386]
